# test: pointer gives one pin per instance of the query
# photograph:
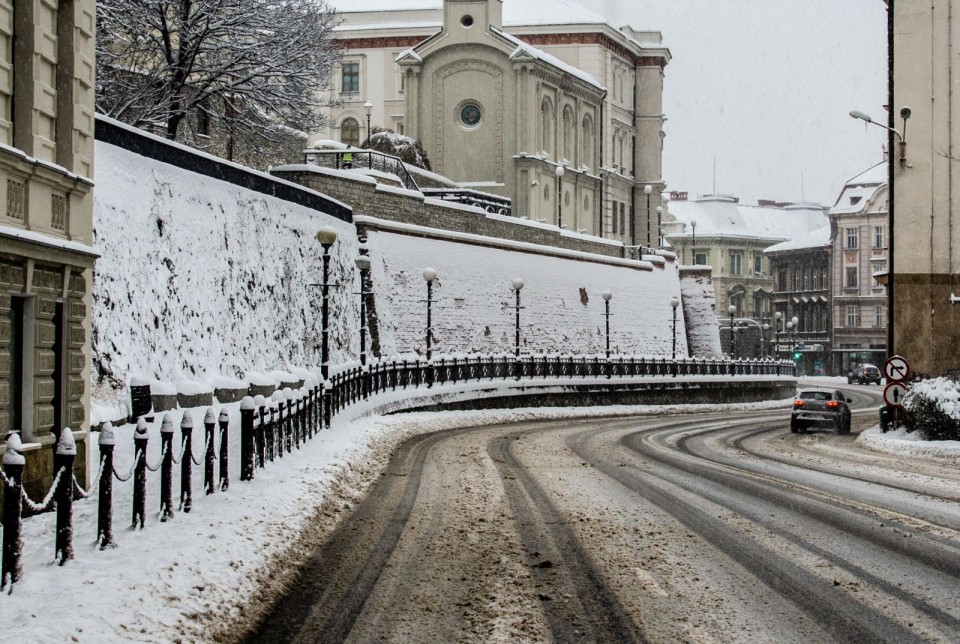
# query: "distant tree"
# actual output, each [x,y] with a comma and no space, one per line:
[389,142]
[250,67]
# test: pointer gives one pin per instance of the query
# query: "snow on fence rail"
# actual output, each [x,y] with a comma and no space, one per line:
[269,428]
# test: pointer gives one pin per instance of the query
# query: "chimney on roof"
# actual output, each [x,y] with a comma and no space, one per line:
[767,203]
[678,196]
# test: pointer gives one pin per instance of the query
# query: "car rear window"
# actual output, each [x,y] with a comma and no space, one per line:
[815,395]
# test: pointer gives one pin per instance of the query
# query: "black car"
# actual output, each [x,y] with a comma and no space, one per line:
[865,374]
[821,407]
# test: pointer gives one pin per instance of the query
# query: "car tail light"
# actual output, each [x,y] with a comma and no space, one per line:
[797,404]
[833,404]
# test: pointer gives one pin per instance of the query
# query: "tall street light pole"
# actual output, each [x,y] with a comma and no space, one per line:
[368,108]
[778,322]
[647,190]
[674,302]
[659,227]
[517,286]
[327,238]
[607,296]
[429,275]
[732,310]
[363,264]
[693,226]
[559,172]
[763,352]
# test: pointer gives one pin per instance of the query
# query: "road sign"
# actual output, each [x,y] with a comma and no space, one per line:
[896,369]
[893,393]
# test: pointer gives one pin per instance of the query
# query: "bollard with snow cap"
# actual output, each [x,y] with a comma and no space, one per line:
[224,421]
[283,445]
[261,430]
[140,439]
[289,427]
[67,452]
[209,425]
[186,462]
[107,443]
[273,443]
[166,468]
[247,410]
[11,570]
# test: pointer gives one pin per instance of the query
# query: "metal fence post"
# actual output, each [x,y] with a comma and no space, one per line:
[11,569]
[166,468]
[67,452]
[224,420]
[186,461]
[107,442]
[140,439]
[247,409]
[209,426]
[260,431]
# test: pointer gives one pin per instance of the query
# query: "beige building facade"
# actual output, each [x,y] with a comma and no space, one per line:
[46,224]
[505,103]
[925,195]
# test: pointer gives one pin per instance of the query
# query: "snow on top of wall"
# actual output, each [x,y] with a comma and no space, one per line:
[200,278]
[721,216]
[473,309]
[817,239]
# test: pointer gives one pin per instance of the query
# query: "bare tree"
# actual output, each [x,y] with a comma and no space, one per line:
[252,67]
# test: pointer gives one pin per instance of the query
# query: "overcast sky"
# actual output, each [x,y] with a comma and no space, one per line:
[765,86]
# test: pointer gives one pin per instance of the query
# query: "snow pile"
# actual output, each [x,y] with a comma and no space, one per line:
[200,278]
[902,443]
[474,305]
[700,312]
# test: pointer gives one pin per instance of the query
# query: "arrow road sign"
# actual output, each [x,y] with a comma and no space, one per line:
[896,369]
[893,393]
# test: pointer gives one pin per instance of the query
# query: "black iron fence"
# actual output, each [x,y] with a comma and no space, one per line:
[270,428]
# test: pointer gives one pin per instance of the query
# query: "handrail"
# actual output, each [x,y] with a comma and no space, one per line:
[374,161]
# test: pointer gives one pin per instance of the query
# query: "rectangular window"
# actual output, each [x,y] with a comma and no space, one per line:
[15,203]
[851,277]
[851,238]
[879,316]
[613,225]
[758,264]
[796,279]
[623,218]
[878,237]
[736,263]
[58,212]
[852,315]
[782,280]
[350,78]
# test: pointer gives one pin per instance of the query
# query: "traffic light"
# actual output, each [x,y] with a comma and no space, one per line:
[796,356]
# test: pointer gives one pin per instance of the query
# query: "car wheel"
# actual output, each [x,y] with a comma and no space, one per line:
[794,426]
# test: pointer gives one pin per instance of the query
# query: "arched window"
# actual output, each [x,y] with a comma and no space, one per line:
[350,132]
[569,135]
[588,146]
[546,126]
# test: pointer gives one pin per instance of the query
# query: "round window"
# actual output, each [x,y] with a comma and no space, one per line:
[466,22]
[469,114]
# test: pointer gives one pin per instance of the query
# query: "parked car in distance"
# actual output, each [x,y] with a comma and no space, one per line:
[865,374]
[820,407]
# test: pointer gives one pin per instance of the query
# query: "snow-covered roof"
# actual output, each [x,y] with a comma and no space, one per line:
[817,239]
[723,217]
[539,54]
[858,191]
[515,12]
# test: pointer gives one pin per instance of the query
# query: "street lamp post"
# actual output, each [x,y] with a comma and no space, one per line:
[763,340]
[517,285]
[327,238]
[429,275]
[732,310]
[607,296]
[659,227]
[368,108]
[363,265]
[647,190]
[796,335]
[693,226]
[778,317]
[559,172]
[674,302]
